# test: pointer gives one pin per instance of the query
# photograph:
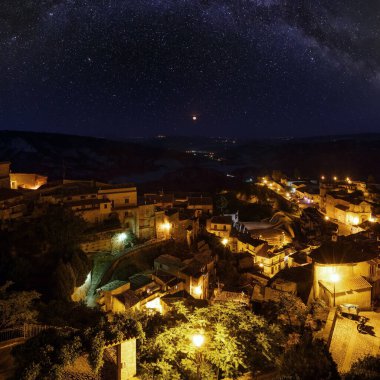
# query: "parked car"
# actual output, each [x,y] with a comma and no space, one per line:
[349,311]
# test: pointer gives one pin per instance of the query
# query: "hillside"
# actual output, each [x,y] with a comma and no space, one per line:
[164,163]
[77,157]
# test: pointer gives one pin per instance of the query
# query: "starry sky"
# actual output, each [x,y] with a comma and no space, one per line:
[245,68]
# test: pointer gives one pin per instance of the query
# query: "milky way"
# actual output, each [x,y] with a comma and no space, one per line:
[246,68]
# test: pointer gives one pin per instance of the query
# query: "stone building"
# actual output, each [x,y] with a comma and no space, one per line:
[347,270]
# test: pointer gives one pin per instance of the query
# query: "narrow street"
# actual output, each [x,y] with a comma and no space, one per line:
[348,345]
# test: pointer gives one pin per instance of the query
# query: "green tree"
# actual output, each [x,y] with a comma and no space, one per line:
[45,356]
[366,368]
[16,308]
[236,340]
[34,255]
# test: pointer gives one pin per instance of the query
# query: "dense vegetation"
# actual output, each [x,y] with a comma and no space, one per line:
[44,255]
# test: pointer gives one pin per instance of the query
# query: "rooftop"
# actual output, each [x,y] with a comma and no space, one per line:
[128,298]
[347,284]
[139,280]
[345,250]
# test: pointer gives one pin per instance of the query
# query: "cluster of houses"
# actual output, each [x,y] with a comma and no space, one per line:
[345,201]
[338,269]
[109,208]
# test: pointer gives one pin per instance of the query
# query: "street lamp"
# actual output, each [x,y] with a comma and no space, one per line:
[261,265]
[197,290]
[334,279]
[198,341]
[121,237]
[225,241]
[166,227]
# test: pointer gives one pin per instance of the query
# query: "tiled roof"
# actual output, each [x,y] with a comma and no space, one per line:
[128,298]
[347,284]
[139,280]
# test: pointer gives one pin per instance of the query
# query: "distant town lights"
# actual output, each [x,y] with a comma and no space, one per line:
[194,117]
[335,178]
[322,177]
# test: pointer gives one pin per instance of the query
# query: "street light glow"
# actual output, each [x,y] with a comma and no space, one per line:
[335,278]
[225,241]
[121,237]
[198,290]
[198,340]
[166,226]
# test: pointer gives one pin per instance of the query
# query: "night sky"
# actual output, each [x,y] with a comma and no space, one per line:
[256,68]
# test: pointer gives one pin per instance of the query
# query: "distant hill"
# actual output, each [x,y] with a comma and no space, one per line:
[357,156]
[58,155]
[164,163]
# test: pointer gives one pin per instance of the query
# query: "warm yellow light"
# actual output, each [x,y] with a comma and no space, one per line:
[261,265]
[355,220]
[327,218]
[197,290]
[154,304]
[335,178]
[348,179]
[265,181]
[372,219]
[225,241]
[121,237]
[198,340]
[166,226]
[322,177]
[335,277]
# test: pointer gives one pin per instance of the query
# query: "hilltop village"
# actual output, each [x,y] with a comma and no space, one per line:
[273,238]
